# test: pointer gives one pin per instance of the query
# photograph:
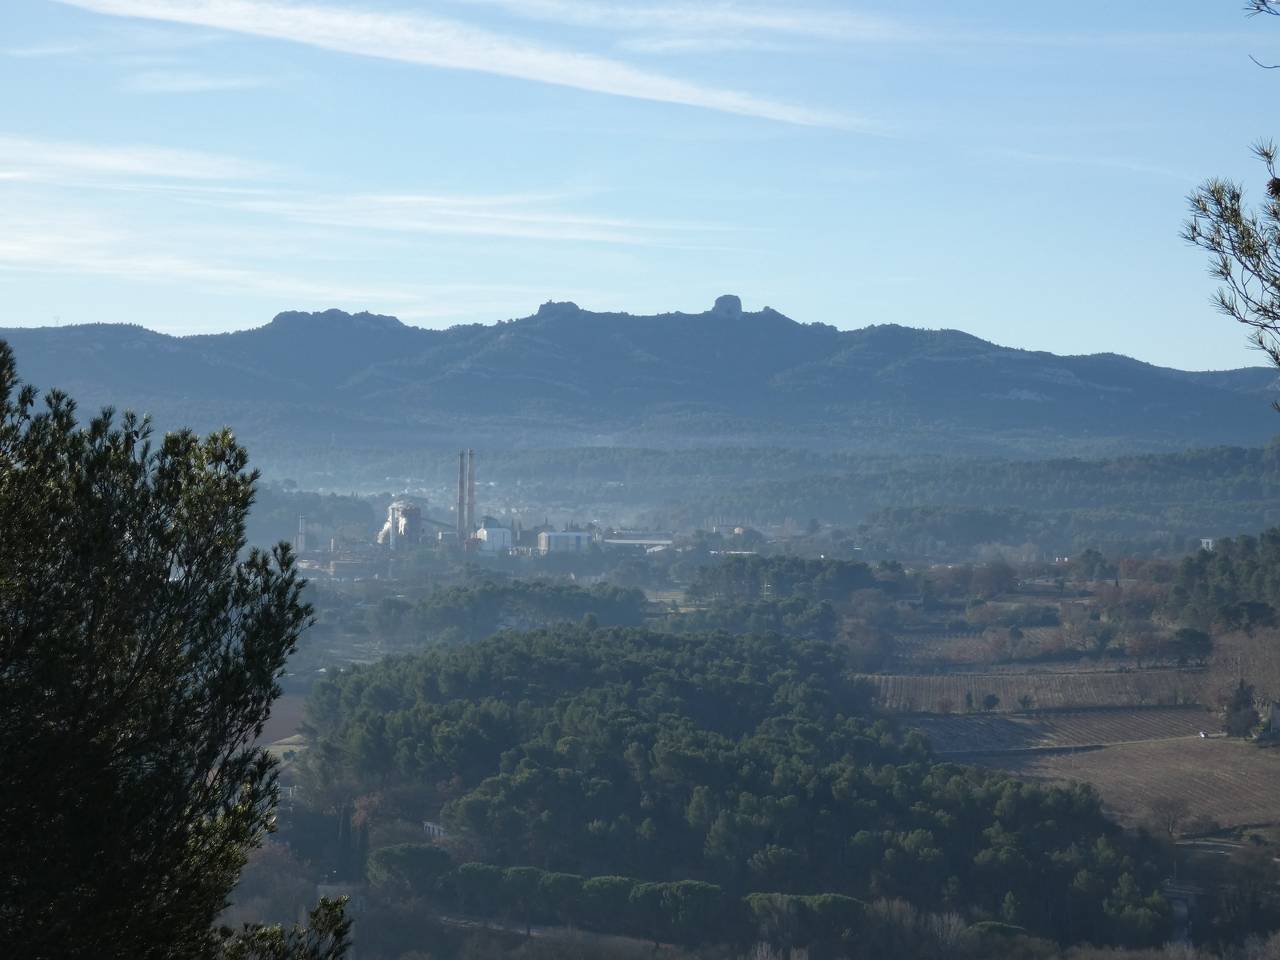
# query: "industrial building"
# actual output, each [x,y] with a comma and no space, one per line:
[494,539]
[407,525]
[403,526]
[568,541]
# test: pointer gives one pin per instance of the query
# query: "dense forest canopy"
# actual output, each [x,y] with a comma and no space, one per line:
[474,612]
[1236,584]
[749,763]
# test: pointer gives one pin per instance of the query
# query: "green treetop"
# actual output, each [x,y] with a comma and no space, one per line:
[139,656]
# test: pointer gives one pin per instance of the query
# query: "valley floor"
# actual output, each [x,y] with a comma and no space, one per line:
[1230,782]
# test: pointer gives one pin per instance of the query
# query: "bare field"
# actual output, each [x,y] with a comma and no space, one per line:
[1230,781]
[993,732]
[972,648]
[939,648]
[946,693]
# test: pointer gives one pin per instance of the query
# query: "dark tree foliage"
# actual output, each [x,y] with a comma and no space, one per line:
[792,617]
[480,610]
[139,655]
[407,867]
[1239,716]
[1092,565]
[747,763]
[326,936]
[1235,585]
[752,578]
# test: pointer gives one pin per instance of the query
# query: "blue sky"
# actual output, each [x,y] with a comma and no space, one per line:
[1011,169]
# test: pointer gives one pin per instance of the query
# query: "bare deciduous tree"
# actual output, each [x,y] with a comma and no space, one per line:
[1167,813]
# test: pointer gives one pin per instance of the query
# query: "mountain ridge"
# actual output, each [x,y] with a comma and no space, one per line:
[552,309]
[568,376]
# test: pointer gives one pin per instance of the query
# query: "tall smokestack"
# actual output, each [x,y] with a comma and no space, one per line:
[462,496]
[300,541]
[471,492]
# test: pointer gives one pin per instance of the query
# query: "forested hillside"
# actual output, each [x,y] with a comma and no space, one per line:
[941,507]
[330,390]
[750,765]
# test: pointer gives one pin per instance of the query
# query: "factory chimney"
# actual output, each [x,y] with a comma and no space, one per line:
[471,492]
[462,497]
[300,541]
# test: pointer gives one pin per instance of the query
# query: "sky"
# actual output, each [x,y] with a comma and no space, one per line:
[1015,170]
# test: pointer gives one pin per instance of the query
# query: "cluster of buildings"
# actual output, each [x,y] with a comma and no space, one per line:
[408,528]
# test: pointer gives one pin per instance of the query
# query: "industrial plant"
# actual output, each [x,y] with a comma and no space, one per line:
[408,529]
[403,526]
[406,524]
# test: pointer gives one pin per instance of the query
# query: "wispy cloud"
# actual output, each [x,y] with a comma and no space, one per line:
[709,19]
[1124,164]
[708,25]
[119,42]
[439,42]
[188,81]
[44,51]
[469,216]
[36,159]
[240,236]
[84,244]
[702,44]
[233,186]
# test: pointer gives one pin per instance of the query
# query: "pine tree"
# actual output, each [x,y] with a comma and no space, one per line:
[139,655]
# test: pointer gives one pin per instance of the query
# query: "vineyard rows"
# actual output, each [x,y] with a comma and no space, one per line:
[961,734]
[973,647]
[965,693]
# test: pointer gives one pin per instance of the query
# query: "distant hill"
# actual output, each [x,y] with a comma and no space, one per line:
[314,386]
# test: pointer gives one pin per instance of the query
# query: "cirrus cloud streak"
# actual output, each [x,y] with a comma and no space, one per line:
[439,42]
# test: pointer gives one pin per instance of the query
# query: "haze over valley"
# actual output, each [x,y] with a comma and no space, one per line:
[599,480]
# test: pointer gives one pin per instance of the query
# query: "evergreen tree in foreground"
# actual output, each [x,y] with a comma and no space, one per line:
[139,656]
